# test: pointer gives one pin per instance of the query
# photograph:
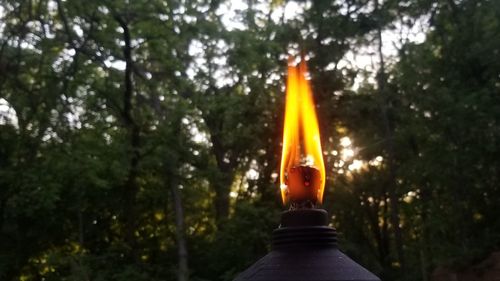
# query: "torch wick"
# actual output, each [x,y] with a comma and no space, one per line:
[303,187]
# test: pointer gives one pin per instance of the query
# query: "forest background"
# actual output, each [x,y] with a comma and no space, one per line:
[140,140]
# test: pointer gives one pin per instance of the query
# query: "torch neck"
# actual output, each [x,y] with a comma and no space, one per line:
[304,228]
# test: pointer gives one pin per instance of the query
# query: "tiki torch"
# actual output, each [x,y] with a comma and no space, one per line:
[304,247]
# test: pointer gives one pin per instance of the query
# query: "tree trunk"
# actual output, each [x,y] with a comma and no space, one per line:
[389,137]
[131,126]
[222,190]
[222,180]
[182,253]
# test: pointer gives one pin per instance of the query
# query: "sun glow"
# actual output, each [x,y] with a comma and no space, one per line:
[301,138]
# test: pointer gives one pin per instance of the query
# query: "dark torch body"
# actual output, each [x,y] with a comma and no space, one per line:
[304,248]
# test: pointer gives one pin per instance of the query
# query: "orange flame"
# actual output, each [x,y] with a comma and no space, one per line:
[301,139]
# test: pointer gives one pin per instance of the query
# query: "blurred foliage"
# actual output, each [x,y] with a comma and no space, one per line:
[130,130]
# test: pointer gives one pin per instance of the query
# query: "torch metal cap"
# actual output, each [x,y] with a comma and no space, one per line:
[305,248]
[304,228]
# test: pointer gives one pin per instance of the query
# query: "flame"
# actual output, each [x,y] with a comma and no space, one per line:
[301,139]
